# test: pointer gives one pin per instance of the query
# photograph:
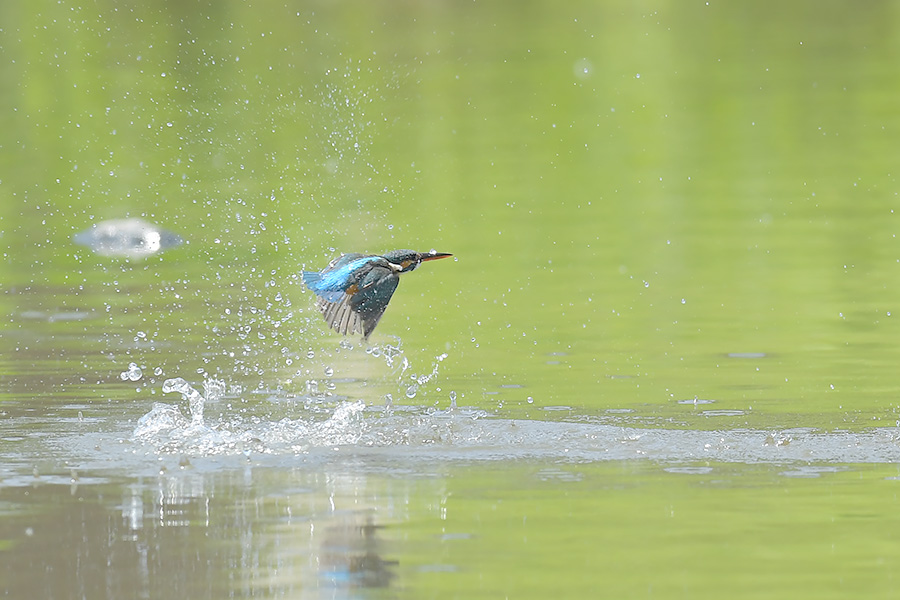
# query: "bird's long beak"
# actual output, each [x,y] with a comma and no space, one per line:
[432,255]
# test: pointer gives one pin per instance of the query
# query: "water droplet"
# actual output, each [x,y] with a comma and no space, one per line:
[530,400]
[583,68]
[411,391]
[132,373]
[310,354]
[329,371]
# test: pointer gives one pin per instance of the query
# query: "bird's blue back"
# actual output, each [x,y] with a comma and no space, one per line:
[337,277]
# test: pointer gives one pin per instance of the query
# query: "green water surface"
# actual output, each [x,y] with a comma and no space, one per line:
[648,204]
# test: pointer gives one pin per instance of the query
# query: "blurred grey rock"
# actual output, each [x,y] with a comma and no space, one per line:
[132,238]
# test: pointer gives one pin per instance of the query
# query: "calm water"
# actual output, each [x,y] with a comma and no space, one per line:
[661,363]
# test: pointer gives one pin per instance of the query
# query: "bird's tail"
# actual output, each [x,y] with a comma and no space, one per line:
[311,278]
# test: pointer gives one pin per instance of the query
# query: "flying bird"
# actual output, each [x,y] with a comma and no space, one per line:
[354,289]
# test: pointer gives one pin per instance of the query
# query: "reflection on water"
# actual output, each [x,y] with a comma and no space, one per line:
[350,554]
[153,540]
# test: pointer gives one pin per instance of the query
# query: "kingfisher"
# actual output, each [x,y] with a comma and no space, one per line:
[354,289]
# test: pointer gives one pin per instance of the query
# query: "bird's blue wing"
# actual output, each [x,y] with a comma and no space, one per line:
[338,277]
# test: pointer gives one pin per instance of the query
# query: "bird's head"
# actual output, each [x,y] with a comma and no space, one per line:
[408,260]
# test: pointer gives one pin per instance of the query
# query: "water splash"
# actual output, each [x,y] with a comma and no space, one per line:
[344,427]
[195,400]
[213,390]
[418,381]
[162,417]
[423,379]
[395,358]
[167,431]
[320,429]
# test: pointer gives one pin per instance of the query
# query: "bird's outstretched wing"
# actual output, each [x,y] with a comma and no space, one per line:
[375,290]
